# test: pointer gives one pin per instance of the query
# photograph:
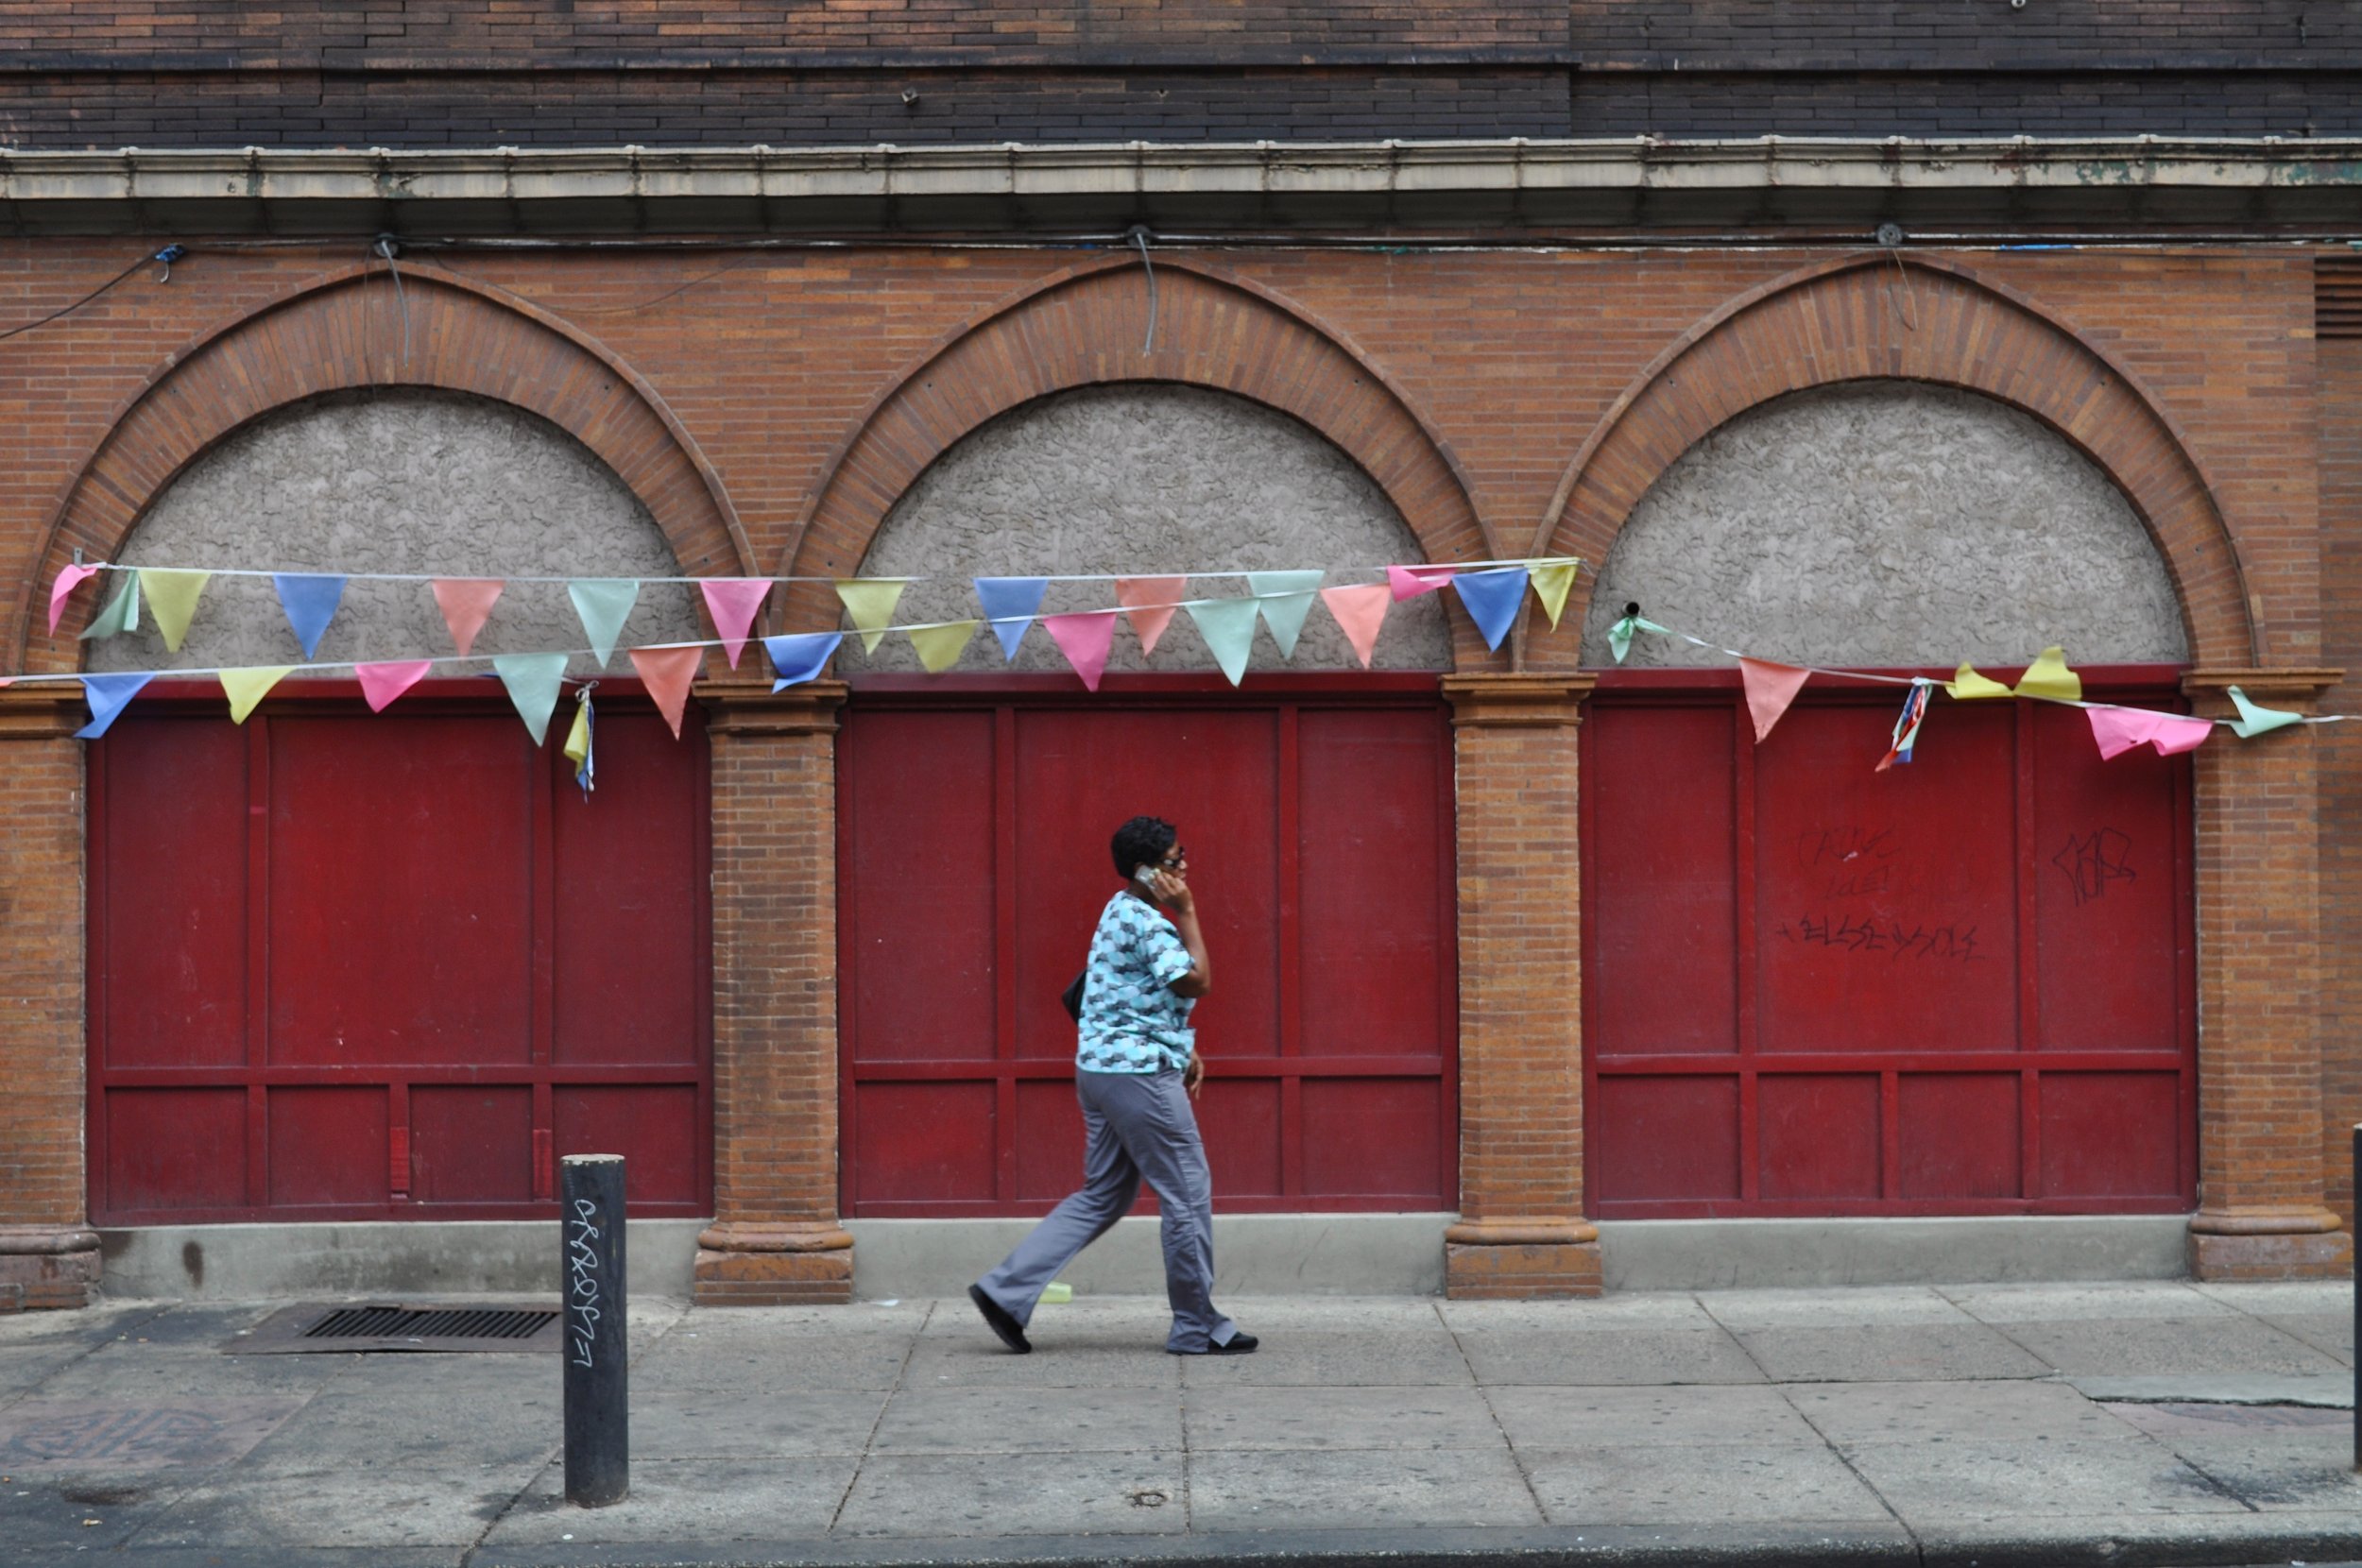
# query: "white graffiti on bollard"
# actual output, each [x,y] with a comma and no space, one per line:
[582,1282]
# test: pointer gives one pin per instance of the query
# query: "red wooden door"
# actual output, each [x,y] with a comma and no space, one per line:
[355,965]
[974,820]
[1964,986]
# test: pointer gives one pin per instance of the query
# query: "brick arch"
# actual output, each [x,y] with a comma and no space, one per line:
[344,332]
[1084,327]
[1844,321]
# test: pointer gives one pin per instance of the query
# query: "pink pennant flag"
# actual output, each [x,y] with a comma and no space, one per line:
[467,602]
[1409,582]
[1085,639]
[382,682]
[668,672]
[732,602]
[1147,624]
[69,578]
[1770,688]
[1360,610]
[2118,730]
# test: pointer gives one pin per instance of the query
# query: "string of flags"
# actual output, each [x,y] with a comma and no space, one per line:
[1770,687]
[1493,592]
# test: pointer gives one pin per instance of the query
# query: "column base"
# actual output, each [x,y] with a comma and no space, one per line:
[741,1264]
[2300,1244]
[1521,1260]
[44,1271]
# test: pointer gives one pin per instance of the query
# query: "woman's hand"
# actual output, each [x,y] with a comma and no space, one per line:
[1174,894]
[1193,1075]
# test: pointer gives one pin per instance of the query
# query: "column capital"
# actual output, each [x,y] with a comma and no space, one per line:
[751,708]
[49,711]
[2284,685]
[1500,699]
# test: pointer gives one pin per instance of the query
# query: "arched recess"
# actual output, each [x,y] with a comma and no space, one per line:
[1088,328]
[1860,319]
[348,333]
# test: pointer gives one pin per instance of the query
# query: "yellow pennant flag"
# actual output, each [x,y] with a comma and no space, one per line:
[2048,677]
[870,602]
[1551,584]
[1966,685]
[245,688]
[939,647]
[172,600]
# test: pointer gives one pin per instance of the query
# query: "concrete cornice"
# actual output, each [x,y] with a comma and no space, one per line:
[1762,185]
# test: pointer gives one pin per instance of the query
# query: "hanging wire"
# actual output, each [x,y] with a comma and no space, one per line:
[1137,234]
[386,248]
[168,255]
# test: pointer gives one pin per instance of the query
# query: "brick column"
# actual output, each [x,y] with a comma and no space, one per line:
[2260,1214]
[1521,1232]
[774,1239]
[48,1252]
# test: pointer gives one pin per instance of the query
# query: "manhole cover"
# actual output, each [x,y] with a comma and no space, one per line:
[68,1435]
[400,1327]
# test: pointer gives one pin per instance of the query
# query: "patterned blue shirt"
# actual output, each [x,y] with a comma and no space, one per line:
[1132,1022]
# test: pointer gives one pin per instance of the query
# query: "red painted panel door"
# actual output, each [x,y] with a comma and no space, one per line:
[974,822]
[1962,986]
[347,965]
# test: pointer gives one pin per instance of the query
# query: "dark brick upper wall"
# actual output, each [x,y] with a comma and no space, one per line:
[460,72]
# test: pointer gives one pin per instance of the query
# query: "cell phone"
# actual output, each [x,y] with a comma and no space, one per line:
[1146,876]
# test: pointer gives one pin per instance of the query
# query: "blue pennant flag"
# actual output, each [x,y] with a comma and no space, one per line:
[1492,599]
[801,656]
[310,599]
[108,695]
[1010,603]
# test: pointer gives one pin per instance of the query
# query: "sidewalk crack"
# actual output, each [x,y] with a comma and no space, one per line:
[1484,1393]
[870,1443]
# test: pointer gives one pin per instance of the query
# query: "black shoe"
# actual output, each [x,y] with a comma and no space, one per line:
[1241,1344]
[1012,1333]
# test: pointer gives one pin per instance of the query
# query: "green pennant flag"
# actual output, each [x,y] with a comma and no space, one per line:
[1228,628]
[245,688]
[172,600]
[870,602]
[532,680]
[939,647]
[604,603]
[2253,721]
[1284,614]
[1619,636]
[122,613]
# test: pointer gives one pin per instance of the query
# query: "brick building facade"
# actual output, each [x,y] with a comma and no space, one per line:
[810,275]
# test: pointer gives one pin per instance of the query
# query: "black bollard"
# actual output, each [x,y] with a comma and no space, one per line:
[598,1400]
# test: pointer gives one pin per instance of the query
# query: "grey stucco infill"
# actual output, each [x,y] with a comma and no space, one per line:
[1713,1255]
[1255,1254]
[474,1256]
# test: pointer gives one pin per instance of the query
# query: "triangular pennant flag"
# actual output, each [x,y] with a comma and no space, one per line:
[69,578]
[108,695]
[1619,636]
[1228,628]
[1010,603]
[604,605]
[1360,611]
[1492,599]
[245,688]
[577,748]
[171,596]
[1409,582]
[1287,599]
[1967,685]
[1550,582]
[121,614]
[668,673]
[2048,677]
[732,602]
[2253,721]
[2118,730]
[1085,639]
[801,656]
[870,602]
[310,599]
[2178,732]
[532,680]
[382,682]
[939,647]
[1162,595]
[466,603]
[1770,688]
[1907,725]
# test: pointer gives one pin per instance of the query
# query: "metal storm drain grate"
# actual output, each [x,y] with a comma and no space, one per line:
[365,1326]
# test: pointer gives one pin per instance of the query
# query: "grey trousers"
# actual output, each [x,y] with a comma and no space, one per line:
[1139,1126]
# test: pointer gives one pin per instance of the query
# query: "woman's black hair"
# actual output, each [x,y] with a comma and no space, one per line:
[1142,841]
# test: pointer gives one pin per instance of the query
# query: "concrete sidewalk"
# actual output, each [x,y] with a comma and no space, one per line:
[1986,1425]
